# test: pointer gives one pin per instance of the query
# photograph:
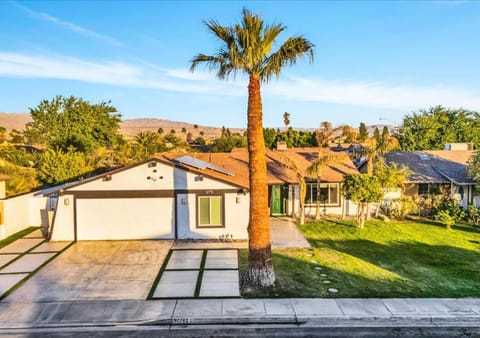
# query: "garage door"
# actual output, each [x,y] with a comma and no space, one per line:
[125,218]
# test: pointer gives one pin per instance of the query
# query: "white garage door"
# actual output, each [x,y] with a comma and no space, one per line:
[125,218]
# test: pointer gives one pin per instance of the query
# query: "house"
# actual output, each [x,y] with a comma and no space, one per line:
[435,171]
[188,196]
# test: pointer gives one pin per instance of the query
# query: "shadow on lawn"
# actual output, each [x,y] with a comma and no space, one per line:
[413,260]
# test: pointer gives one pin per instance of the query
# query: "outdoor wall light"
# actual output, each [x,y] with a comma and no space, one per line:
[184,200]
[66,201]
[107,178]
[152,164]
[237,199]
[199,178]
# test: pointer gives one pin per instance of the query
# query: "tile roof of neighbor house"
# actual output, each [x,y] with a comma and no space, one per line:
[434,166]
[237,163]
[277,169]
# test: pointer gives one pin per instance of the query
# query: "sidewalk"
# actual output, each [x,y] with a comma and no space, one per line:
[312,312]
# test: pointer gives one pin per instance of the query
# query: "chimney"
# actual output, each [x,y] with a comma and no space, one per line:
[281,145]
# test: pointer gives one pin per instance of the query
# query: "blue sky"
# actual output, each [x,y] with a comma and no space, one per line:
[373,60]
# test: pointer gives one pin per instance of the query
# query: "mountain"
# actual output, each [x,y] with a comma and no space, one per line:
[14,120]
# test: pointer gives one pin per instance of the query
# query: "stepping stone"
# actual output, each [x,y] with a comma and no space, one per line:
[185,259]
[9,281]
[221,259]
[35,234]
[326,282]
[220,283]
[323,275]
[332,290]
[175,284]
[318,268]
[4,259]
[51,247]
[314,262]
[27,263]
[21,245]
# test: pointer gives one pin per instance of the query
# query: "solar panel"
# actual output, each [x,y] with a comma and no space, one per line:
[199,164]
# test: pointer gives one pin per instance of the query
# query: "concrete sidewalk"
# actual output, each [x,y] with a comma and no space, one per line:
[311,312]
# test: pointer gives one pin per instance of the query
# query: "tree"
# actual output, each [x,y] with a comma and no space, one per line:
[72,122]
[362,132]
[474,167]
[146,144]
[433,128]
[324,134]
[286,119]
[362,189]
[315,170]
[17,137]
[389,176]
[377,136]
[348,134]
[293,165]
[160,131]
[57,166]
[246,48]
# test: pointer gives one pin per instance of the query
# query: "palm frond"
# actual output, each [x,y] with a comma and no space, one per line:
[287,54]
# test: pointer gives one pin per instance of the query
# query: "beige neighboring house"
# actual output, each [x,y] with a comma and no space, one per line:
[439,171]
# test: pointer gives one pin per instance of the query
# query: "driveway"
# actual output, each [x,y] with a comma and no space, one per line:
[107,270]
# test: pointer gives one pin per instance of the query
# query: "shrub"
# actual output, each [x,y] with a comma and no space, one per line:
[444,217]
[399,208]
[450,206]
[472,215]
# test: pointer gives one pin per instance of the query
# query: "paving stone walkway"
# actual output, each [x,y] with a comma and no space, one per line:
[25,256]
[199,273]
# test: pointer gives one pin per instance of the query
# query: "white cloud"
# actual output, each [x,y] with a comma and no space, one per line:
[111,73]
[146,75]
[70,26]
[372,94]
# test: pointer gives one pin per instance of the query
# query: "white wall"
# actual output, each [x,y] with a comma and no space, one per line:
[236,218]
[162,177]
[22,212]
[350,207]
[63,226]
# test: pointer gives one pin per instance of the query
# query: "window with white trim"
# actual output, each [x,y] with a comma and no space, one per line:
[210,211]
[329,193]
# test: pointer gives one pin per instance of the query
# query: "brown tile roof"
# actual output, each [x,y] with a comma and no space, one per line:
[277,170]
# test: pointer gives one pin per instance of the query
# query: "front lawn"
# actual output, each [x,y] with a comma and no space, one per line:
[394,259]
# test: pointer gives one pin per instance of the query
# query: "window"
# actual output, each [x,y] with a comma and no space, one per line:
[210,211]
[329,194]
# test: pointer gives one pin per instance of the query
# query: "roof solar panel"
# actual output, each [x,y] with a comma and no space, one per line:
[199,164]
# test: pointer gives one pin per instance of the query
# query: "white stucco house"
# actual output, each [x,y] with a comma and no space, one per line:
[180,196]
[156,199]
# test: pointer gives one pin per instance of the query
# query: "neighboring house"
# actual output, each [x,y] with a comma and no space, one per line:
[435,171]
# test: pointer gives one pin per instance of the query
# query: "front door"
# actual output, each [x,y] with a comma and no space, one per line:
[277,200]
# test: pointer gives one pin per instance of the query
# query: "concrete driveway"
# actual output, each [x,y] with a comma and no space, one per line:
[107,270]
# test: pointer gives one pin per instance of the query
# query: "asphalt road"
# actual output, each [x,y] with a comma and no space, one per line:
[244,331]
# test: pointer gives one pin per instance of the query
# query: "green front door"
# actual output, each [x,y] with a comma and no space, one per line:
[277,200]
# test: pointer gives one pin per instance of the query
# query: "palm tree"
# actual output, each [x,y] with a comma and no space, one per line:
[315,170]
[247,49]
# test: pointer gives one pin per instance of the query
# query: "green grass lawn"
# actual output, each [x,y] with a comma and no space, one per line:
[17,235]
[394,259]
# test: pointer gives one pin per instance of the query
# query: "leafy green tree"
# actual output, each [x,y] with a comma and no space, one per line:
[18,155]
[474,167]
[362,189]
[433,128]
[17,137]
[146,144]
[72,122]
[246,48]
[377,136]
[389,176]
[3,132]
[57,166]
[227,142]
[362,132]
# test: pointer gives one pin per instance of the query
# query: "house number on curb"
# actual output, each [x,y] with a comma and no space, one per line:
[181,320]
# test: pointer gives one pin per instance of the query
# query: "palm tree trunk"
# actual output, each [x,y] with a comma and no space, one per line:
[260,269]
